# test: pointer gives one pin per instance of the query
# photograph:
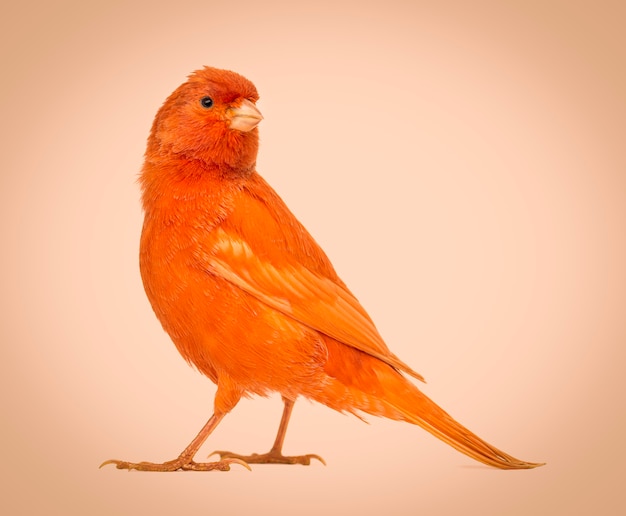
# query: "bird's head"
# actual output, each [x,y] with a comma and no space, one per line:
[211,118]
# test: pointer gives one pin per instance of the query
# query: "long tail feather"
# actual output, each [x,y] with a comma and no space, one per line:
[427,414]
[358,382]
[417,408]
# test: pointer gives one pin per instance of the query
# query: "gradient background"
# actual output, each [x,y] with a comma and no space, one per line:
[462,163]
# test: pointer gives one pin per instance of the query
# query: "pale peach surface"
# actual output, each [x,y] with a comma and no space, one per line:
[463,166]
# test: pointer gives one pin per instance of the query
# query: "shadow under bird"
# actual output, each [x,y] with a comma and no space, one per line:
[247,295]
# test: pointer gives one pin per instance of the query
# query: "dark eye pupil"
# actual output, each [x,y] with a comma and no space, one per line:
[206,102]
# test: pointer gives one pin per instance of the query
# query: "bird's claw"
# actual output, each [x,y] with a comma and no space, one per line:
[272,457]
[119,464]
[175,465]
[222,465]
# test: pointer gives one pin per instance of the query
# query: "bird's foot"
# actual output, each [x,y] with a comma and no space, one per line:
[272,457]
[178,464]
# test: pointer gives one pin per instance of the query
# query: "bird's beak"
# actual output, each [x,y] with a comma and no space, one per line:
[245,117]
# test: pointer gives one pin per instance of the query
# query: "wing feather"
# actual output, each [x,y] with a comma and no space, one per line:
[306,296]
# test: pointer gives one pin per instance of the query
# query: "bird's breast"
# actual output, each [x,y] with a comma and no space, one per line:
[185,298]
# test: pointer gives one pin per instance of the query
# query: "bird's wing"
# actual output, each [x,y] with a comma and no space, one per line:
[318,302]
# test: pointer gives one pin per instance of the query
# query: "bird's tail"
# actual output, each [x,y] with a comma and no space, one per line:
[422,411]
[357,381]
[415,407]
[398,398]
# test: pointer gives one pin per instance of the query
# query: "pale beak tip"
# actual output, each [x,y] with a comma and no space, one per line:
[245,117]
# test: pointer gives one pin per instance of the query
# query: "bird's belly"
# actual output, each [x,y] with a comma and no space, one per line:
[219,328]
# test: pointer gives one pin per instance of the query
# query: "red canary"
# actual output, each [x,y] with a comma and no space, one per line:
[247,295]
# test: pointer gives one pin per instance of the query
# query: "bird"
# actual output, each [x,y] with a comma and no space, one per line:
[247,295]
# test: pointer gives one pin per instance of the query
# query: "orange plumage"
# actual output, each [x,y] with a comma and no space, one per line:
[247,295]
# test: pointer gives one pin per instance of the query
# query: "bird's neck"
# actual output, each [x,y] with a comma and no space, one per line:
[180,183]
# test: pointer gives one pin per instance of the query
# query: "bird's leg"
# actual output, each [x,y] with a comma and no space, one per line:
[185,459]
[275,455]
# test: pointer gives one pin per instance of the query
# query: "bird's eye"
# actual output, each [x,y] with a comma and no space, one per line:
[206,102]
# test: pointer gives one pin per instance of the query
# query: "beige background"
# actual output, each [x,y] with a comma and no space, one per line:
[463,165]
